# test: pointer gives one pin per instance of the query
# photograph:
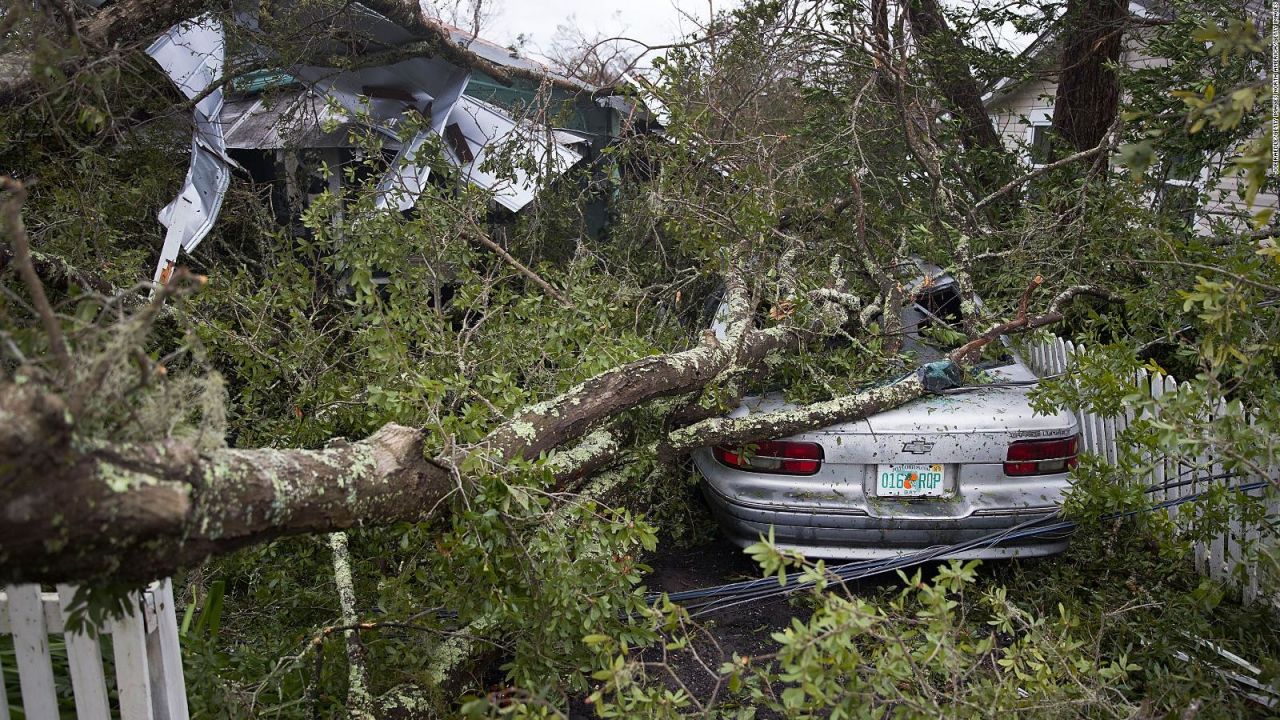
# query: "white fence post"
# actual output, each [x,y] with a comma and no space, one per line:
[133,683]
[148,660]
[165,656]
[31,646]
[84,657]
[1218,558]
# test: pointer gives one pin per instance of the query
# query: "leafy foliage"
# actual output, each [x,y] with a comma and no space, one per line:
[780,146]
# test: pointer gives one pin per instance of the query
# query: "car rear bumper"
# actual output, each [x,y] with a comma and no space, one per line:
[860,536]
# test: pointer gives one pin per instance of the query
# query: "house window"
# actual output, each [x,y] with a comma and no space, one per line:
[1039,147]
[1180,187]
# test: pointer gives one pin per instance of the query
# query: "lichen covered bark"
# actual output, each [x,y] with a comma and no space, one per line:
[770,425]
[142,511]
[359,699]
[575,412]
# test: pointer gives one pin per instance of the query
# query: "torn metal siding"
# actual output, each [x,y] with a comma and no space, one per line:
[428,86]
[571,138]
[193,55]
[489,130]
[385,92]
[379,98]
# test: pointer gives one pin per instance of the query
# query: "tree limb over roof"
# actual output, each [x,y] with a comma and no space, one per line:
[128,25]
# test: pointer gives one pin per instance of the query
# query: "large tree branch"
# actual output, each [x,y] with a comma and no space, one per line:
[932,377]
[576,411]
[129,24]
[139,511]
[762,426]
[79,508]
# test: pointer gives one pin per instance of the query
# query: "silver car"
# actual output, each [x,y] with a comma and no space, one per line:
[935,472]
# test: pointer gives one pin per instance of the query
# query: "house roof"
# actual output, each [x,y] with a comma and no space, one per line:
[1039,52]
[309,106]
[508,57]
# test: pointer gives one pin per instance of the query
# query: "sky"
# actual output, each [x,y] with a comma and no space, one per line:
[650,21]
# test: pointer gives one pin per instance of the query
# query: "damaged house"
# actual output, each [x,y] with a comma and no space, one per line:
[293,128]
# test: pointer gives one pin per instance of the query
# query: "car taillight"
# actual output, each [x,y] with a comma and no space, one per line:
[1041,457]
[782,457]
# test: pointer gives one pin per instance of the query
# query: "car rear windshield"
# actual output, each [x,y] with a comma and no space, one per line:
[932,324]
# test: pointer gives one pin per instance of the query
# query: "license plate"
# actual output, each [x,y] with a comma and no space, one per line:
[911,480]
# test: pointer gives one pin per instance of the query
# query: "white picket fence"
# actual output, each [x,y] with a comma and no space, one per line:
[1224,558]
[148,662]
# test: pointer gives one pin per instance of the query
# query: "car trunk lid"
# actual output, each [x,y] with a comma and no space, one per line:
[971,427]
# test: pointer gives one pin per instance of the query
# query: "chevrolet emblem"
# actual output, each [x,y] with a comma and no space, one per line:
[917,447]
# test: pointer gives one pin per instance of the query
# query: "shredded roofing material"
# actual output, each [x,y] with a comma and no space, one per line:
[488,132]
[318,107]
[193,54]
[290,118]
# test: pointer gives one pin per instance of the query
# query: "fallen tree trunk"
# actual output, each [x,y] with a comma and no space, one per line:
[79,508]
[76,509]
[145,510]
[85,508]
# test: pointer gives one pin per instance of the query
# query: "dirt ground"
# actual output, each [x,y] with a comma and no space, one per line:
[744,630]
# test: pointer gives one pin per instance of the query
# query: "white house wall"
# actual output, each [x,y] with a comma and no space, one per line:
[1224,202]
[1014,113]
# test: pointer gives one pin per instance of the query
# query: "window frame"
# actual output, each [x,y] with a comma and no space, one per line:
[1041,117]
[1199,184]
